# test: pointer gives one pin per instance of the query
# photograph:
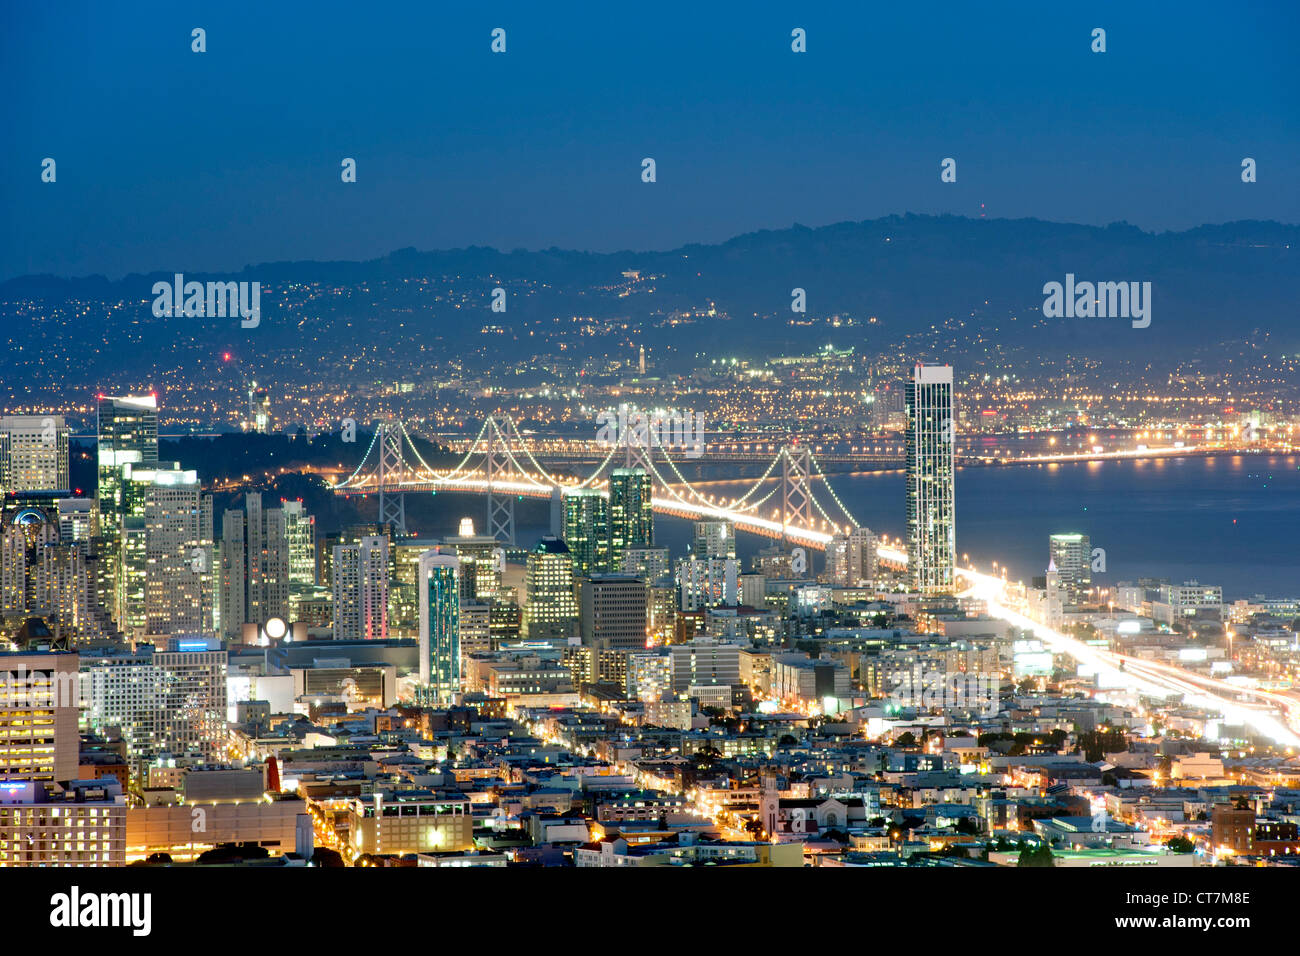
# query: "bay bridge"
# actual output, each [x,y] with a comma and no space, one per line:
[800,507]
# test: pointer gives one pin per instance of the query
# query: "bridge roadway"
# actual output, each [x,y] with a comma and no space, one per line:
[679,505]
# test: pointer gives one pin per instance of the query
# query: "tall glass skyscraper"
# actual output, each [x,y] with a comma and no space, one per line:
[586,531]
[439,641]
[931,515]
[631,514]
[127,430]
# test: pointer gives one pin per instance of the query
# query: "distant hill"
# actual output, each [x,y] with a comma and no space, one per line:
[1210,284]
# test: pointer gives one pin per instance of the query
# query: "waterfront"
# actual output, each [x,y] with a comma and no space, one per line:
[1227,520]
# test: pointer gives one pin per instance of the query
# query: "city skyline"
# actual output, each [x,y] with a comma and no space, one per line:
[676,438]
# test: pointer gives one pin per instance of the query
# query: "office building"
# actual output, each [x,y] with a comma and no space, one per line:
[33,453]
[414,822]
[79,823]
[404,586]
[703,662]
[253,579]
[39,697]
[191,675]
[481,562]
[439,641]
[78,519]
[1071,555]
[361,590]
[613,618]
[651,565]
[300,535]
[127,428]
[177,576]
[631,514]
[707,582]
[550,609]
[587,531]
[930,466]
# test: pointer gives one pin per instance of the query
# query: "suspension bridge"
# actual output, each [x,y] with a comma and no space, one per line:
[792,500]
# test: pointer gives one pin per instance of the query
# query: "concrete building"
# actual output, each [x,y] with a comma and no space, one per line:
[80,823]
[33,453]
[613,618]
[39,698]
[360,575]
[703,661]
[281,825]
[714,539]
[808,681]
[409,822]
[253,575]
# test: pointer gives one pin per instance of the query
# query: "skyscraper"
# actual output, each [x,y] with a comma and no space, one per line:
[300,535]
[550,609]
[178,559]
[613,622]
[586,531]
[481,559]
[631,514]
[439,641]
[254,566]
[33,453]
[361,590]
[163,566]
[931,525]
[1071,554]
[127,432]
[127,429]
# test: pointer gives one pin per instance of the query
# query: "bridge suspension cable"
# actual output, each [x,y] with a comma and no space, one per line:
[502,447]
[364,459]
[853,522]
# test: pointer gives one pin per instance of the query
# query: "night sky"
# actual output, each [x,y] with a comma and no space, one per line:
[173,160]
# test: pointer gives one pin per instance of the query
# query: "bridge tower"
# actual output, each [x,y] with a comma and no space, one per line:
[392,470]
[796,489]
[638,440]
[500,507]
